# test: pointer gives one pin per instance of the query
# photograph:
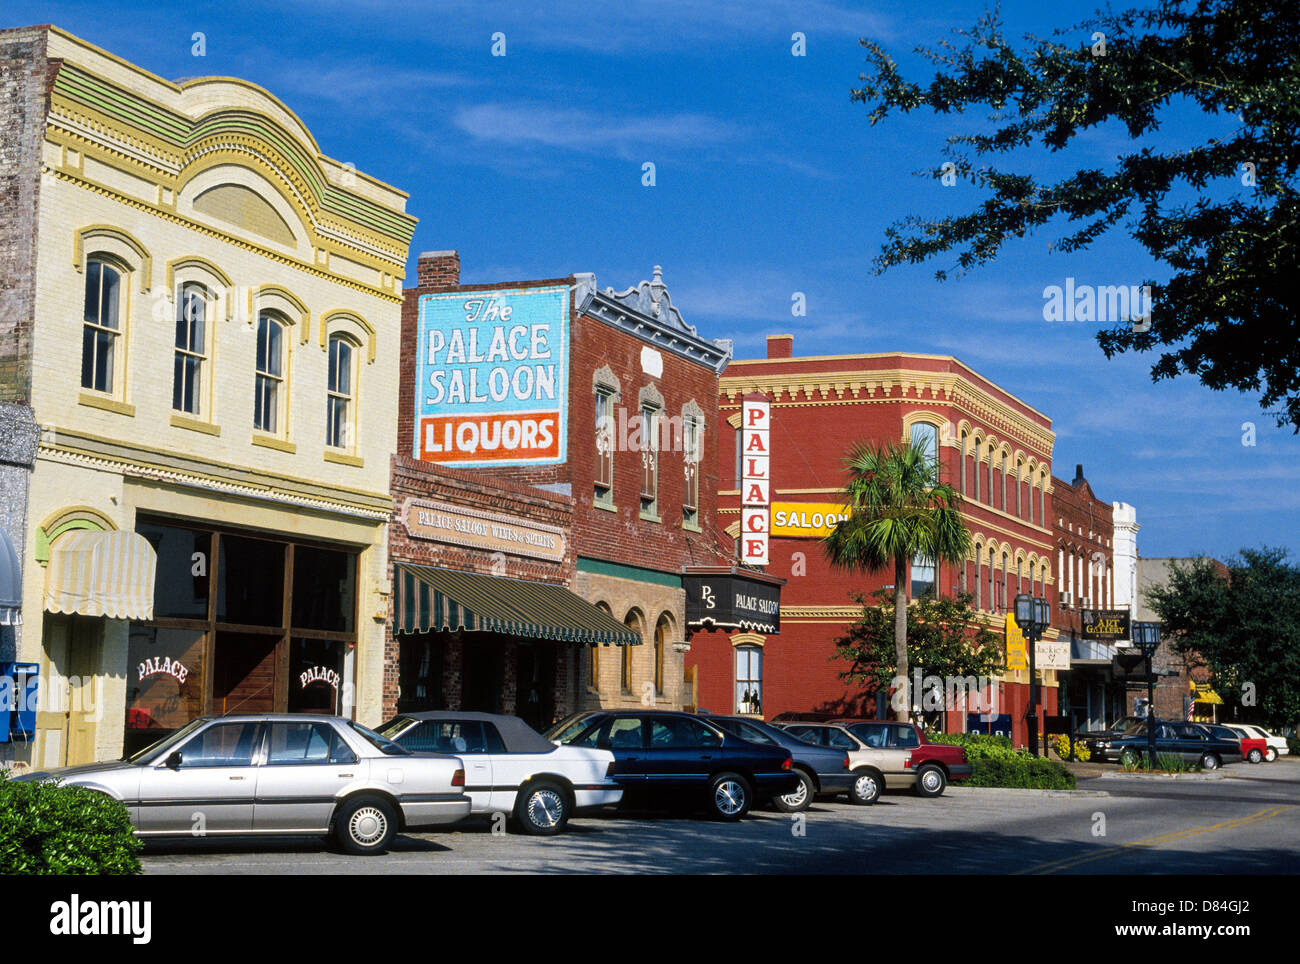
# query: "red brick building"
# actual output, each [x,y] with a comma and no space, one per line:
[994,448]
[614,447]
[1085,561]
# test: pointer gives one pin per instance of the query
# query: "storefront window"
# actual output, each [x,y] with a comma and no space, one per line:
[324,589]
[316,675]
[164,688]
[749,679]
[250,584]
[181,583]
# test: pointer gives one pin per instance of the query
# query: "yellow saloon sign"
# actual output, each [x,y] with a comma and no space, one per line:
[1017,654]
[806,520]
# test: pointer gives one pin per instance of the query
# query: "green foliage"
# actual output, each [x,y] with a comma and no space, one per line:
[47,828]
[1245,628]
[945,637]
[1061,744]
[996,763]
[1165,763]
[1219,213]
[1293,744]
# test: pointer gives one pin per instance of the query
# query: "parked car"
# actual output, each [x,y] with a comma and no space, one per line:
[279,773]
[665,759]
[822,771]
[1275,745]
[1188,740]
[1121,727]
[888,755]
[511,768]
[1253,748]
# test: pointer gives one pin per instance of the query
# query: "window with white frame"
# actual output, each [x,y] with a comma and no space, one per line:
[102,326]
[191,349]
[749,679]
[341,393]
[922,576]
[649,460]
[692,431]
[268,388]
[604,474]
[926,437]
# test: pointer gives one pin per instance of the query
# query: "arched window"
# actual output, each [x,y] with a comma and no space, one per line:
[979,576]
[593,662]
[925,436]
[963,463]
[922,576]
[663,630]
[102,326]
[191,348]
[634,622]
[268,388]
[1020,478]
[340,396]
[749,679]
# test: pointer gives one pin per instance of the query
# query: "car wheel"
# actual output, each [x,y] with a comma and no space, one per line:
[931,781]
[1272,754]
[1209,762]
[866,788]
[729,796]
[365,825]
[1255,756]
[542,810]
[800,799]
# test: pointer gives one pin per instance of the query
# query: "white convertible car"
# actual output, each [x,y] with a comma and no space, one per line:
[510,768]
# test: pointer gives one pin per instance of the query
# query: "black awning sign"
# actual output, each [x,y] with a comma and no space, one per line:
[732,601]
[1105,624]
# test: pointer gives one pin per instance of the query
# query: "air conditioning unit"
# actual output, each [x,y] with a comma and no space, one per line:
[1085,602]
[1066,599]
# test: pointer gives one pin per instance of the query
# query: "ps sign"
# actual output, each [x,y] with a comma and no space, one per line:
[755,492]
[493,377]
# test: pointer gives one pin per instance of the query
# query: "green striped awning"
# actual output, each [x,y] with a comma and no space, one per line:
[430,599]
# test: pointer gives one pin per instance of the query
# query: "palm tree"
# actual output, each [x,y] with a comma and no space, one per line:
[898,509]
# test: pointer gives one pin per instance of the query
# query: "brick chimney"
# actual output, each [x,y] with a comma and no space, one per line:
[780,346]
[436,268]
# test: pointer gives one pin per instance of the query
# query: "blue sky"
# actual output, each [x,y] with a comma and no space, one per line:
[769,181]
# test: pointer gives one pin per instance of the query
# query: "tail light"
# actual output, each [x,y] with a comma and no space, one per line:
[846,761]
[458,778]
[609,770]
[787,763]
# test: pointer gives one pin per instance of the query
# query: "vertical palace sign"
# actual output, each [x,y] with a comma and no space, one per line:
[493,377]
[755,479]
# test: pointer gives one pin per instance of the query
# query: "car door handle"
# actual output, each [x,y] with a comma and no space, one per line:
[342,775]
[706,756]
[237,778]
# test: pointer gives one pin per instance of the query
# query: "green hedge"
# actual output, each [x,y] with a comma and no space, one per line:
[46,828]
[996,763]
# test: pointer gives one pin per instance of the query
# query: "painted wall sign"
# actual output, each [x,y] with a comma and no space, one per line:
[493,377]
[1105,624]
[162,666]
[1017,653]
[319,674]
[806,520]
[755,456]
[488,531]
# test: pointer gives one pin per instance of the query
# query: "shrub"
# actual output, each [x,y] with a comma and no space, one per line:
[996,763]
[1293,744]
[1061,744]
[49,828]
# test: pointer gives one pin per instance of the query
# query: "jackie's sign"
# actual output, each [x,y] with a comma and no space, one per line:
[493,377]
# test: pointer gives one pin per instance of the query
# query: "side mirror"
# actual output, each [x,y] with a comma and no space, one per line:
[174,761]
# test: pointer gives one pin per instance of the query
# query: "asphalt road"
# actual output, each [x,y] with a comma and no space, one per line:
[1246,823]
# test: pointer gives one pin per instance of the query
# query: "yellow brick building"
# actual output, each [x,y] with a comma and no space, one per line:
[209,344]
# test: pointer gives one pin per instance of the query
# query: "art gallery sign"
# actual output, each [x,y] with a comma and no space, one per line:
[488,531]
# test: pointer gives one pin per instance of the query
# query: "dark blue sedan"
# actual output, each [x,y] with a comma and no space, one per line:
[664,759]
[822,770]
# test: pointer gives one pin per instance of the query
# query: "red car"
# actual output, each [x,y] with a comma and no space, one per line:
[1252,749]
[896,755]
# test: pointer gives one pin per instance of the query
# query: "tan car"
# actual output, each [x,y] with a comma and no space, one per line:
[877,768]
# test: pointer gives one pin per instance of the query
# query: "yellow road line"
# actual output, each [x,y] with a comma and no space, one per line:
[1074,861]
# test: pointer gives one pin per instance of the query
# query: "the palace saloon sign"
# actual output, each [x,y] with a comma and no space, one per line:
[1106,625]
[487,531]
[732,601]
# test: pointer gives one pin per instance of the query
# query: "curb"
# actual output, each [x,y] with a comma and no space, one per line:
[1024,792]
[1137,774]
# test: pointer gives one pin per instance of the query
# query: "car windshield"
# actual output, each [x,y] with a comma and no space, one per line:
[1129,724]
[155,750]
[568,728]
[393,727]
[380,743]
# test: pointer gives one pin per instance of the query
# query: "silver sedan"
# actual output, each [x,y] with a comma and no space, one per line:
[279,773]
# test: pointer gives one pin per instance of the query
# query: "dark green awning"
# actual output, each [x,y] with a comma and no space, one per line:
[430,599]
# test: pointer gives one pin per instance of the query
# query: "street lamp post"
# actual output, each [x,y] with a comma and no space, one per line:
[1033,615]
[1147,636]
